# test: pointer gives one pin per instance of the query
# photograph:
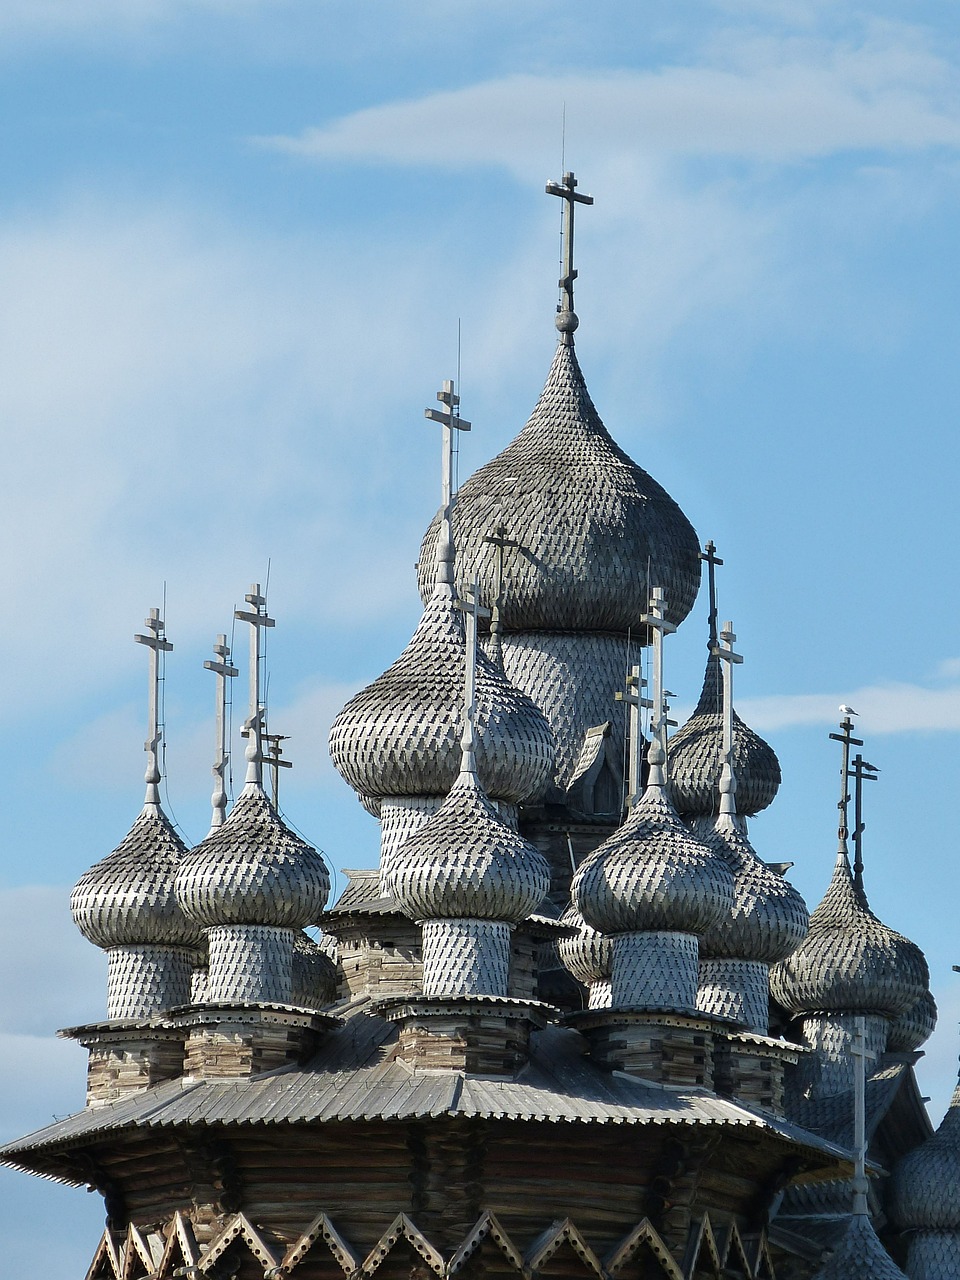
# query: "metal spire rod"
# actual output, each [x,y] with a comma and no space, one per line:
[221,665]
[632,696]
[728,780]
[472,610]
[567,191]
[657,622]
[845,736]
[861,772]
[709,555]
[157,642]
[253,726]
[450,421]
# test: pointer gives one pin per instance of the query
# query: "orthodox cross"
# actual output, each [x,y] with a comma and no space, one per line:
[157,642]
[450,421]
[253,726]
[724,651]
[274,758]
[709,555]
[500,540]
[858,1051]
[632,696]
[861,772]
[845,736]
[220,664]
[567,191]
[657,622]
[472,610]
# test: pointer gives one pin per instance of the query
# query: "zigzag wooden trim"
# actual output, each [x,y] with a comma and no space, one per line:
[322,1228]
[643,1235]
[239,1228]
[732,1246]
[106,1254]
[556,1235]
[181,1238]
[402,1227]
[136,1250]
[762,1262]
[701,1237]
[487,1227]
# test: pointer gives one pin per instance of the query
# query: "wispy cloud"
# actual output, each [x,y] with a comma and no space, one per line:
[884,708]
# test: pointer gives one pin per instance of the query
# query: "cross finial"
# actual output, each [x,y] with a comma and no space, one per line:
[224,670]
[723,649]
[253,726]
[861,772]
[709,555]
[472,610]
[632,696]
[450,421]
[157,642]
[846,738]
[273,758]
[657,622]
[499,540]
[567,191]
[860,1055]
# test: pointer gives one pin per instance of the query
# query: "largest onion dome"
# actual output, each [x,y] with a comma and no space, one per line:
[253,870]
[926,1183]
[850,961]
[400,736]
[587,529]
[652,874]
[769,918]
[696,757]
[128,898]
[466,863]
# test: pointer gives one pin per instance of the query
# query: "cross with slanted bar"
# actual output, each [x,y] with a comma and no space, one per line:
[632,697]
[567,191]
[861,772]
[723,649]
[273,757]
[472,610]
[253,726]
[157,642]
[845,736]
[656,620]
[222,667]
[500,540]
[450,421]
[709,555]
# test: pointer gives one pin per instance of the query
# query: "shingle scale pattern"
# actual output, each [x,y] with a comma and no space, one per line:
[253,870]
[850,961]
[926,1183]
[587,954]
[860,1256]
[587,520]
[915,1027]
[128,897]
[696,757]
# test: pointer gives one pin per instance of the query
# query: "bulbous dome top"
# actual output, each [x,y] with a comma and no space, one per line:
[584,520]
[128,898]
[400,736]
[466,863]
[696,757]
[586,954]
[769,919]
[926,1183]
[652,874]
[860,1256]
[850,961]
[915,1027]
[253,870]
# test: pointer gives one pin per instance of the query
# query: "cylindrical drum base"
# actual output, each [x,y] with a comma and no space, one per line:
[400,818]
[656,970]
[934,1255]
[736,989]
[832,1035]
[198,985]
[466,958]
[249,963]
[144,980]
[601,994]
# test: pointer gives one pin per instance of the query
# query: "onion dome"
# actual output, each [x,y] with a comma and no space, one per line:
[926,1183]
[915,1027]
[400,736]
[314,973]
[769,918]
[860,1256]
[588,528]
[652,874]
[696,757]
[466,863]
[128,899]
[587,954]
[253,870]
[850,961]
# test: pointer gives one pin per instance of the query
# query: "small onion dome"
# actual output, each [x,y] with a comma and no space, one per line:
[696,757]
[253,870]
[400,736]
[128,899]
[926,1183]
[915,1027]
[769,918]
[588,528]
[586,954]
[314,973]
[652,874]
[850,961]
[860,1256]
[466,863]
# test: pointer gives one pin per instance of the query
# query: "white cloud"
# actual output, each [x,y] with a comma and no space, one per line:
[897,707]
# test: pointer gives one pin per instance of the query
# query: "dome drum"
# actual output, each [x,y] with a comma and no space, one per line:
[736,989]
[400,818]
[655,971]
[250,963]
[143,980]
[832,1037]
[466,957]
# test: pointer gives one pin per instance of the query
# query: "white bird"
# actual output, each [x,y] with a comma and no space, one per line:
[847,711]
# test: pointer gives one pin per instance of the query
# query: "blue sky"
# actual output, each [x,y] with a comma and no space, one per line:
[236,242]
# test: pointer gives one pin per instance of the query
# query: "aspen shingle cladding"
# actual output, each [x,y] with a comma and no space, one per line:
[926,1183]
[860,1256]
[587,520]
